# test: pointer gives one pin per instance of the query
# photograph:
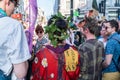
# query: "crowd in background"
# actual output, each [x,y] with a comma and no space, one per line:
[103,68]
[61,50]
[94,41]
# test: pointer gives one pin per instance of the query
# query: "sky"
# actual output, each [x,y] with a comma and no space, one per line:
[46,6]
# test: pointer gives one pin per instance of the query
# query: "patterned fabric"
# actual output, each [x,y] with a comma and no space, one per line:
[39,44]
[112,47]
[49,65]
[91,58]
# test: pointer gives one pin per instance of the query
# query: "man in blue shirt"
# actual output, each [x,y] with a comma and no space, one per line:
[112,51]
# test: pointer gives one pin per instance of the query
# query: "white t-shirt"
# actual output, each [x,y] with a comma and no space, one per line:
[13,44]
[102,40]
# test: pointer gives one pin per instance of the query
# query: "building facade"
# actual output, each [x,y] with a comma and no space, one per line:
[111,7]
[64,6]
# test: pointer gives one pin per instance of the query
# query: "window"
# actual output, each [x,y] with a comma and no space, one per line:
[67,5]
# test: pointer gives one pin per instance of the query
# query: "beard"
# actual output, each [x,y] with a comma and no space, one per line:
[108,33]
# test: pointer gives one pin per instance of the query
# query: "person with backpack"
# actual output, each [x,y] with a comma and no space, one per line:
[112,52]
[91,52]
[58,60]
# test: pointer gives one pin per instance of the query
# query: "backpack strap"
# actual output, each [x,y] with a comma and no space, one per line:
[115,38]
[116,64]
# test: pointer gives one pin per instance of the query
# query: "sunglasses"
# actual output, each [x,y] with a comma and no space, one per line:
[107,27]
[39,32]
[15,2]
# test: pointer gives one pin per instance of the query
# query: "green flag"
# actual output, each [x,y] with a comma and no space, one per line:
[76,13]
[94,5]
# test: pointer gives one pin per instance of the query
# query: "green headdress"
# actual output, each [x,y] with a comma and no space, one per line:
[57,29]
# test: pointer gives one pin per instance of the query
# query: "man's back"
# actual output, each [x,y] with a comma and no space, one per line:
[14,51]
[12,40]
[91,59]
[6,31]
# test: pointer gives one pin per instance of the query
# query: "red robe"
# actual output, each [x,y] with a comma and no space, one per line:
[49,65]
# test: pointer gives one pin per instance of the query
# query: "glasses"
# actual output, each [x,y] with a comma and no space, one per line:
[107,27]
[15,2]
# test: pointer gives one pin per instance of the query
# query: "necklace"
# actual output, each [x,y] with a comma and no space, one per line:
[2,13]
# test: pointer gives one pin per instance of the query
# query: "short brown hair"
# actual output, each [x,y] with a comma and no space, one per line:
[91,24]
[39,28]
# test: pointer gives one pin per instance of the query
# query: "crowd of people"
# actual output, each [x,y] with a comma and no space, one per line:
[90,52]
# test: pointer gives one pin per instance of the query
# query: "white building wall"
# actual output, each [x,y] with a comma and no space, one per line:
[76,4]
[65,6]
